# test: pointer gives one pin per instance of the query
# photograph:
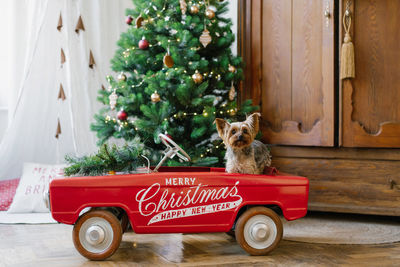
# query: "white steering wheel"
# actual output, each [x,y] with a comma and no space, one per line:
[173,149]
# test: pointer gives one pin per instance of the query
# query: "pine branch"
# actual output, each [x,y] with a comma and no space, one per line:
[125,159]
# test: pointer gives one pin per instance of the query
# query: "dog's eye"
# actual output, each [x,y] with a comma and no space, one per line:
[233,131]
[245,131]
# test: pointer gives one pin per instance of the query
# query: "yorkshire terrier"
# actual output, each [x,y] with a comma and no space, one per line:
[244,154]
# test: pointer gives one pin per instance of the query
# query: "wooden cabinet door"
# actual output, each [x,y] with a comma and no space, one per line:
[371,101]
[288,47]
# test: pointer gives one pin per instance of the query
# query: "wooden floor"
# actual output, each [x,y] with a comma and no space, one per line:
[51,245]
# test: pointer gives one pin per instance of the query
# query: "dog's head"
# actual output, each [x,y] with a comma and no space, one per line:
[238,134]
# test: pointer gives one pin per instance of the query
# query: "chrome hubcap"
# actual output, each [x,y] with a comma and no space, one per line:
[95,235]
[260,231]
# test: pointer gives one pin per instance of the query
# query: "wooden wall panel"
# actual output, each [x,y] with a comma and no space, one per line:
[371,110]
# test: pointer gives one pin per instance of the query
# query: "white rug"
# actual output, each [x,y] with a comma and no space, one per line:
[25,218]
[331,228]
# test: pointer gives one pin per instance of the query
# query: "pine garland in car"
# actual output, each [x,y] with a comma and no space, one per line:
[117,159]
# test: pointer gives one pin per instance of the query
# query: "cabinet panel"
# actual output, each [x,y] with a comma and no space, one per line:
[292,64]
[371,110]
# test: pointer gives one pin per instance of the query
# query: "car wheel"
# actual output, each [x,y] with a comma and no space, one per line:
[259,231]
[124,222]
[97,234]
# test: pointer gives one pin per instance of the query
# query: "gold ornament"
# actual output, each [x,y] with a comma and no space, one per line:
[122,77]
[205,38]
[139,21]
[168,61]
[194,9]
[155,97]
[232,92]
[113,99]
[197,77]
[183,6]
[210,13]
[231,68]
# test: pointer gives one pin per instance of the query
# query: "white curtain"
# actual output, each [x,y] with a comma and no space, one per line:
[32,63]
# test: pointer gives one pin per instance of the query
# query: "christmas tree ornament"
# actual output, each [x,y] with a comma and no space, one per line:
[232,92]
[155,97]
[129,20]
[197,77]
[194,9]
[183,6]
[210,13]
[122,115]
[143,44]
[231,68]
[113,99]
[205,37]
[139,21]
[121,77]
[168,61]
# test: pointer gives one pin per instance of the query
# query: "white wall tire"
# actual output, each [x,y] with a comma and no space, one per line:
[259,231]
[97,234]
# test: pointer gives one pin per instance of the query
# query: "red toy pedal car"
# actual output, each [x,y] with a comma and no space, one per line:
[177,200]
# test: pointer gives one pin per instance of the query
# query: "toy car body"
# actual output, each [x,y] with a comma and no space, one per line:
[177,200]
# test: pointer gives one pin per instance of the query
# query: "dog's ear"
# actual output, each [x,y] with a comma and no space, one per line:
[222,125]
[253,122]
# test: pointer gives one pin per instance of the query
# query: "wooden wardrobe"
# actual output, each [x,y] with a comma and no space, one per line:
[344,135]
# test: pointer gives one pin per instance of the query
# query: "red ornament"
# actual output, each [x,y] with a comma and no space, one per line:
[143,44]
[129,20]
[122,115]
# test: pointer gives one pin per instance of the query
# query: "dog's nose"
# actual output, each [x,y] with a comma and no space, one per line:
[240,137]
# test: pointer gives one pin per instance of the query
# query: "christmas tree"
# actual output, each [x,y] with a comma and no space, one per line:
[176,75]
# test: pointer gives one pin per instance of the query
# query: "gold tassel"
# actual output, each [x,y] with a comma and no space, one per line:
[347,63]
